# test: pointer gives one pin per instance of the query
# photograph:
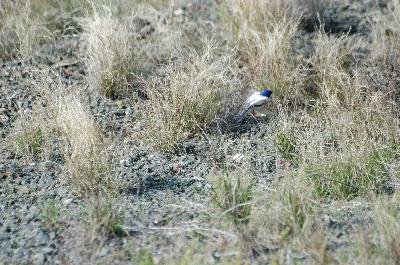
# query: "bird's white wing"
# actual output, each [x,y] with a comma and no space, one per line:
[256,100]
[253,97]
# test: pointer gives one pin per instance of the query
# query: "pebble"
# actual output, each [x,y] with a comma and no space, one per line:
[67,201]
[179,12]
[42,237]
[237,158]
[38,258]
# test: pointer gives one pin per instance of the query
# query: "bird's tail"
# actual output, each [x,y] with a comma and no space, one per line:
[242,114]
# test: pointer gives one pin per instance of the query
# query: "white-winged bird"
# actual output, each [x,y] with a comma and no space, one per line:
[255,100]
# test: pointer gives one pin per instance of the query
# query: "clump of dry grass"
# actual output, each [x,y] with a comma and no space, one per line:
[32,133]
[331,77]
[385,30]
[87,160]
[232,193]
[28,136]
[383,64]
[386,219]
[103,217]
[312,13]
[346,143]
[189,96]
[21,31]
[281,215]
[117,49]
[113,53]
[282,220]
[262,32]
[51,214]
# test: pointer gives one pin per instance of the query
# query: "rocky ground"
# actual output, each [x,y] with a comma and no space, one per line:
[166,200]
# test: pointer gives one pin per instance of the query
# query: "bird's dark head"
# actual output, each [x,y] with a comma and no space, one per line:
[266,93]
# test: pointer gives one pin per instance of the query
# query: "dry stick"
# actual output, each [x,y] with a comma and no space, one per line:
[180,229]
[185,229]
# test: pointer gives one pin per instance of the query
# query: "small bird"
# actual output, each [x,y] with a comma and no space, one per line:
[255,100]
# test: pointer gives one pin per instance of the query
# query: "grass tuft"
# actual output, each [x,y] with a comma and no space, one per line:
[190,96]
[113,52]
[87,159]
[118,49]
[21,30]
[232,193]
[50,214]
[144,257]
[386,217]
[30,142]
[286,145]
[102,217]
[262,32]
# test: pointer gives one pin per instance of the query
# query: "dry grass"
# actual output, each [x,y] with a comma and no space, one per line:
[385,30]
[349,142]
[278,224]
[312,13]
[331,78]
[119,48]
[28,138]
[87,159]
[280,219]
[33,133]
[262,32]
[232,193]
[158,4]
[21,30]
[51,213]
[383,65]
[388,229]
[191,94]
[113,52]
[26,25]
[103,217]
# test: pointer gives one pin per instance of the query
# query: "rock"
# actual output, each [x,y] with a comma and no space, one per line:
[42,238]
[47,250]
[104,252]
[3,119]
[67,201]
[237,158]
[4,236]
[38,258]
[179,12]
[52,235]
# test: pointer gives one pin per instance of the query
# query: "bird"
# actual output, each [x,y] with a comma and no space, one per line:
[255,100]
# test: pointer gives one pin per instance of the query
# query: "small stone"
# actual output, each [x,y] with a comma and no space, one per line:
[47,250]
[104,252]
[4,236]
[52,235]
[42,237]
[38,258]
[237,158]
[179,12]
[3,119]
[67,201]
